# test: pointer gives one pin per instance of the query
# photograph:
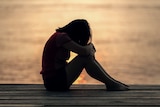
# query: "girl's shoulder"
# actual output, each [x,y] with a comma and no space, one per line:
[62,38]
[60,33]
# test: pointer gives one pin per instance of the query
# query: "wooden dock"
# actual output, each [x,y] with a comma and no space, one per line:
[34,95]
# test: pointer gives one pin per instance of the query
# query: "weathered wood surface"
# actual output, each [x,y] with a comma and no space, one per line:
[34,95]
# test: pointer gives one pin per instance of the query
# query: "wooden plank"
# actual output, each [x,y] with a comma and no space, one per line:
[54,96]
[88,86]
[88,102]
[21,105]
[82,96]
[82,93]
[30,95]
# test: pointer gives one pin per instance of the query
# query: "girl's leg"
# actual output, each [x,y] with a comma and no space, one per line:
[95,70]
[74,69]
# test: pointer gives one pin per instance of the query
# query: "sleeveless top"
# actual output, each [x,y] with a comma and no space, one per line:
[54,62]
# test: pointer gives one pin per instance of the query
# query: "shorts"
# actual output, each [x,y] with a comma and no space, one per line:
[56,82]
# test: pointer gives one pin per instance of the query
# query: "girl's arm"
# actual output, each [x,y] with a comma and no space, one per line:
[81,50]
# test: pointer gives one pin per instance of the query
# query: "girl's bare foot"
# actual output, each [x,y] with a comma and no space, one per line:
[117,87]
[122,83]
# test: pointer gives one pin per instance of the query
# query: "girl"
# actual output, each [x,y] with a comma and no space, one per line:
[58,74]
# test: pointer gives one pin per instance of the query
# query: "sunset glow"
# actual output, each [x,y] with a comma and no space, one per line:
[125,34]
[81,79]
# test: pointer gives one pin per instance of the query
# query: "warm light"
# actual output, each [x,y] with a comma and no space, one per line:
[81,79]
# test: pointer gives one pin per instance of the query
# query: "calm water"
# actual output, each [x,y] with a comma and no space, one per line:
[125,33]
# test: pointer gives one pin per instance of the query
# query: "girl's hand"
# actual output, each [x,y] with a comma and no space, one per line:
[92,49]
[80,50]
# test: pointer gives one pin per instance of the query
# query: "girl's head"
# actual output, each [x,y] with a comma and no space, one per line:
[78,30]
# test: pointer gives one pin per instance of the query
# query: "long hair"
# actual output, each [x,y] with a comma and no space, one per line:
[78,30]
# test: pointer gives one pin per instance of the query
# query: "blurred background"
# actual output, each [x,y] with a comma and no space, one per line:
[126,34]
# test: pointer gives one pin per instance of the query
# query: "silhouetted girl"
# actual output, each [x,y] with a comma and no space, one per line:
[58,74]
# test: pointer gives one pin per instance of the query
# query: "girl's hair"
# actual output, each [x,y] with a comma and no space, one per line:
[78,30]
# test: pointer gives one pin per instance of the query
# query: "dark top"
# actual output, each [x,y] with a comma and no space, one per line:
[54,59]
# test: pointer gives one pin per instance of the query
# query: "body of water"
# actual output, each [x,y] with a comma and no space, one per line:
[125,34]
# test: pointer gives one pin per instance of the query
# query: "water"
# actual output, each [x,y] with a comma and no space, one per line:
[125,34]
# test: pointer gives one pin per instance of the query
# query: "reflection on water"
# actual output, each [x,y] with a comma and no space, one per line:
[125,33]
